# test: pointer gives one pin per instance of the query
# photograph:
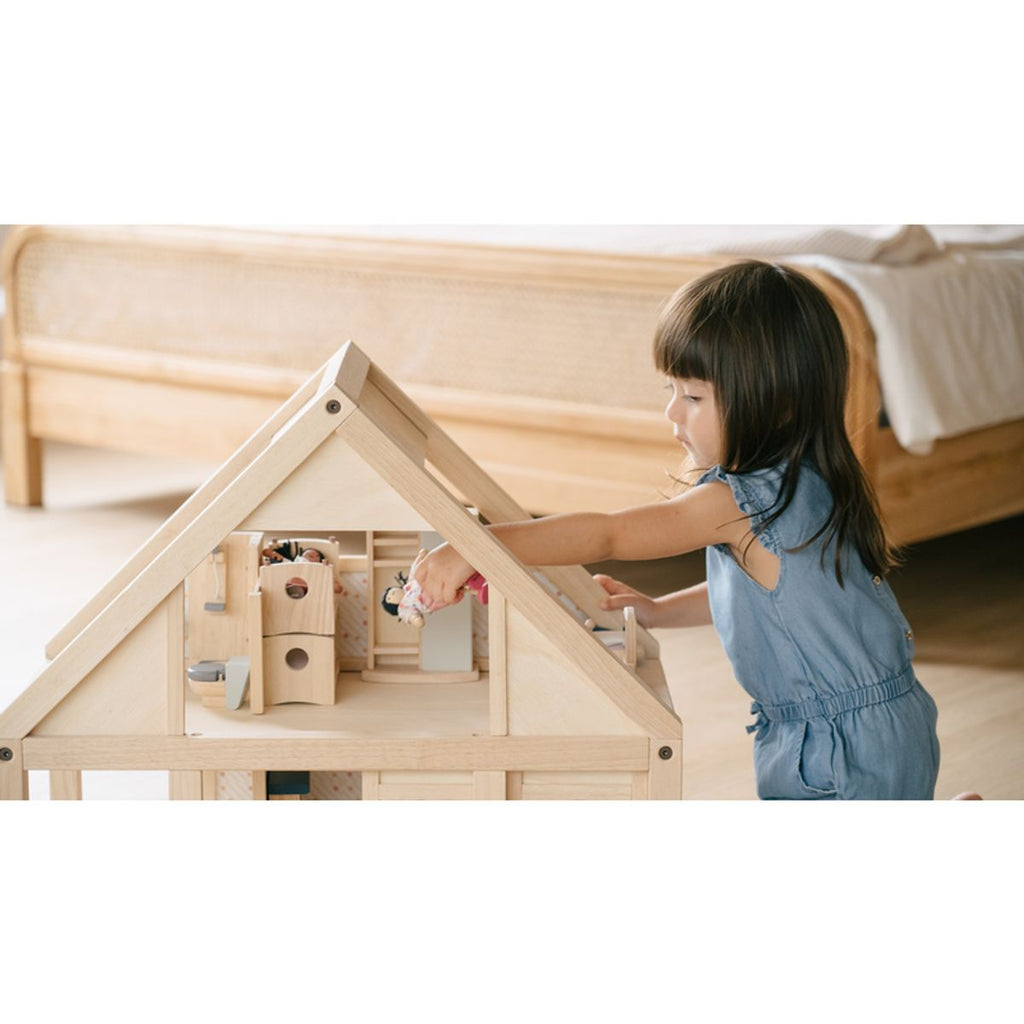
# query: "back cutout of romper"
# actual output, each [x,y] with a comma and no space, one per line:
[840,713]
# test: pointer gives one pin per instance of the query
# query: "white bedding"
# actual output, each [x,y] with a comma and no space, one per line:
[946,302]
[950,339]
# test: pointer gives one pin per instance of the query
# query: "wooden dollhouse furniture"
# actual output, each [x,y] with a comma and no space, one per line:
[185,340]
[310,626]
[552,712]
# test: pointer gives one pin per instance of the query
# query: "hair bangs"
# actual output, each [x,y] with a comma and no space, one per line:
[683,344]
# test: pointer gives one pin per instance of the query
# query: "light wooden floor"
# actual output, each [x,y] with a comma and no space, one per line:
[963,594]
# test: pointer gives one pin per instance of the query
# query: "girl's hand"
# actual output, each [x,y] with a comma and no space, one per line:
[620,595]
[441,574]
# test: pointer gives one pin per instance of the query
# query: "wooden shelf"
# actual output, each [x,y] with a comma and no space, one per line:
[422,710]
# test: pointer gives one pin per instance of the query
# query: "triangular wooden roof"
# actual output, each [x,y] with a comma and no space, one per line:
[353,400]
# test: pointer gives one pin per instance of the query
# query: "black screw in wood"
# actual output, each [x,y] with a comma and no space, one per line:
[6,754]
[333,406]
[665,753]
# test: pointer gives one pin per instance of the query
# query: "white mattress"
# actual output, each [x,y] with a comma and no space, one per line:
[946,302]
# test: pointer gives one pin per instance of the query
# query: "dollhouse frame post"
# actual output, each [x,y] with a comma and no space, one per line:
[13,776]
[65,785]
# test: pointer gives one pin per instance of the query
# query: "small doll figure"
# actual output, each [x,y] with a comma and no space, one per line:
[280,551]
[406,601]
[317,558]
[274,552]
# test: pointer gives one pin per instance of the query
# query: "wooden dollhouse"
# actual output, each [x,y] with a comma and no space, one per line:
[233,669]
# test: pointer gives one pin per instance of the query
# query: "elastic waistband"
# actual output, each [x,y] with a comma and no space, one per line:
[827,707]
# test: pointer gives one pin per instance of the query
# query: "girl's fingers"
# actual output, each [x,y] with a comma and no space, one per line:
[613,586]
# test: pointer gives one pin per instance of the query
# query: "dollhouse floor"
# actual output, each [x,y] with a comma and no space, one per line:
[361,709]
[370,709]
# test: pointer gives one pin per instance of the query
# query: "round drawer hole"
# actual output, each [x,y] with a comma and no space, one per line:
[296,658]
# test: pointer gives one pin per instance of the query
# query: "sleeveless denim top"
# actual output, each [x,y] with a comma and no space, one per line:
[814,655]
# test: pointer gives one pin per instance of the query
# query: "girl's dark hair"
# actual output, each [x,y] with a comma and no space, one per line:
[768,341]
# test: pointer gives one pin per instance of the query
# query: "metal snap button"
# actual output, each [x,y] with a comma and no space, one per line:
[909,635]
[877,580]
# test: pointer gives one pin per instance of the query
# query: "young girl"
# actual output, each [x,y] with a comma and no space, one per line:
[796,555]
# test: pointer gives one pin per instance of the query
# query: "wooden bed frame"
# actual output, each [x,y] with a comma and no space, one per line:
[181,341]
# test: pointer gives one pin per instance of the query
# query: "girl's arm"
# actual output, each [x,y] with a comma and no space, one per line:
[703,515]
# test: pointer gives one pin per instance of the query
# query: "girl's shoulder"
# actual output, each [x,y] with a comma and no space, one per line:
[760,487]
[755,491]
[758,495]
[768,473]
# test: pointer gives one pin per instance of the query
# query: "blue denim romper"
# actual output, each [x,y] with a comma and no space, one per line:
[840,713]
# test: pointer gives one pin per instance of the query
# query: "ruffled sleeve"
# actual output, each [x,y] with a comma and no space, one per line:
[754,494]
